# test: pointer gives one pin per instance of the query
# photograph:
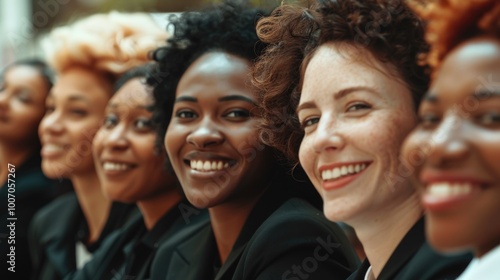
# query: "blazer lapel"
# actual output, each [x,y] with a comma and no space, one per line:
[406,249]
[193,259]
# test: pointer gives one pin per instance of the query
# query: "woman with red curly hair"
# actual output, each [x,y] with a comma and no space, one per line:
[455,148]
[340,84]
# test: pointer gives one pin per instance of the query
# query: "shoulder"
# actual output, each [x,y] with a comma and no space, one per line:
[297,239]
[59,211]
[428,264]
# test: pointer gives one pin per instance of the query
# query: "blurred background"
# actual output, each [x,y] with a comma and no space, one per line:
[24,22]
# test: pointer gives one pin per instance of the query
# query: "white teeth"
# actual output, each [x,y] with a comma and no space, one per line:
[345,170]
[448,190]
[53,148]
[115,166]
[208,165]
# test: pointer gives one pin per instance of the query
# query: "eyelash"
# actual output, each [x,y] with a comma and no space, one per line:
[357,105]
[309,122]
[182,114]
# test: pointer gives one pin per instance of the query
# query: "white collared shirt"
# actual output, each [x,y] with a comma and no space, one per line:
[485,268]
[369,274]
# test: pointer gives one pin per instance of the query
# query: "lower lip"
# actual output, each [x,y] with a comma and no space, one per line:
[443,204]
[342,182]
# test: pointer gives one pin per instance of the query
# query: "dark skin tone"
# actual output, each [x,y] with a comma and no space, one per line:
[212,142]
[455,150]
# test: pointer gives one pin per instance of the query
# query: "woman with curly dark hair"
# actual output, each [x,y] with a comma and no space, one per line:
[455,148]
[263,224]
[339,87]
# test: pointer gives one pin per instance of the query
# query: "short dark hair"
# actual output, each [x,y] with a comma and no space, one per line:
[45,71]
[227,27]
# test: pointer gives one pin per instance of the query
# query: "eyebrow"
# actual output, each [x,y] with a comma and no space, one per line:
[143,107]
[337,95]
[222,99]
[237,97]
[485,94]
[186,99]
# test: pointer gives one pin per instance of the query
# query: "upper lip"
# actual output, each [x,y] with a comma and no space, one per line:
[428,177]
[51,142]
[340,164]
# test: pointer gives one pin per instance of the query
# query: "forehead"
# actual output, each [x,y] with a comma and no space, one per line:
[82,82]
[134,91]
[473,65]
[19,72]
[216,72]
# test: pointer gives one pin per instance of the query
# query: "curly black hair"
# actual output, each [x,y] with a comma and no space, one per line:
[388,29]
[227,27]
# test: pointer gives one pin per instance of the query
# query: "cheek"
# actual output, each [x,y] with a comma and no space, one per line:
[98,142]
[306,157]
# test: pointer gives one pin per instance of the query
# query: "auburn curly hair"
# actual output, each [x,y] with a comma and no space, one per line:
[227,27]
[388,29]
[450,22]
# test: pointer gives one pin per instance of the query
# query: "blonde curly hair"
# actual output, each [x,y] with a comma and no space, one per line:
[107,43]
[451,22]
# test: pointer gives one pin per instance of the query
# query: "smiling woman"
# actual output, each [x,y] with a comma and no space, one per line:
[455,148]
[88,56]
[24,85]
[339,86]
[263,224]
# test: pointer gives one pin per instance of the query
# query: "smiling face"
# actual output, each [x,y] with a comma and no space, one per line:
[355,117]
[212,139]
[455,149]
[22,103]
[75,108]
[129,167]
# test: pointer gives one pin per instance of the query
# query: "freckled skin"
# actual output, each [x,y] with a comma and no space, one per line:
[463,139]
[343,132]
[212,127]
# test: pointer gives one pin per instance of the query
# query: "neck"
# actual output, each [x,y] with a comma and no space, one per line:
[12,154]
[95,206]
[381,232]
[227,221]
[153,209]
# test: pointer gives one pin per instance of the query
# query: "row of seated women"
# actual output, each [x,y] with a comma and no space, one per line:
[240,118]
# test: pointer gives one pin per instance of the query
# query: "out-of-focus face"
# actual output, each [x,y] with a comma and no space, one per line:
[212,139]
[129,166]
[22,103]
[74,113]
[455,149]
[355,115]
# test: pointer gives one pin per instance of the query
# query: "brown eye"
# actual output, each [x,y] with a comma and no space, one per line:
[110,121]
[489,119]
[428,120]
[357,107]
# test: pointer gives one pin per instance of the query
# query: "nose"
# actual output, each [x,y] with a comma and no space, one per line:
[206,134]
[52,123]
[448,143]
[115,138]
[327,135]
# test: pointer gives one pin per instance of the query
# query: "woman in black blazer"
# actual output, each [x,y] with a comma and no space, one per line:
[87,69]
[262,222]
[341,82]
[132,169]
[457,140]
[23,187]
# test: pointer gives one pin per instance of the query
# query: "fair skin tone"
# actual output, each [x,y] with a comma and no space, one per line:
[354,124]
[22,105]
[128,165]
[75,108]
[212,142]
[454,151]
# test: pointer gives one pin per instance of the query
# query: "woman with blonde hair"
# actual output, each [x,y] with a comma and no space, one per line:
[88,57]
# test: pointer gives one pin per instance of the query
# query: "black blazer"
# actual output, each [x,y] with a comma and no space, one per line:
[103,265]
[413,259]
[32,191]
[52,235]
[283,238]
